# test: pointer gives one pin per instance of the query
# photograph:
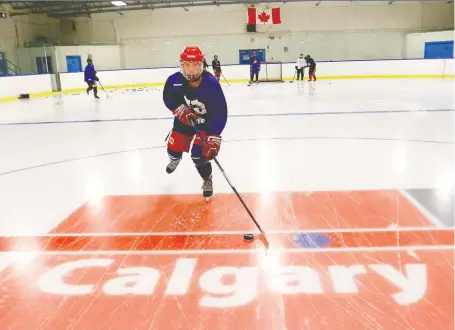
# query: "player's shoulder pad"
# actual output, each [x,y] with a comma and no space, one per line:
[175,80]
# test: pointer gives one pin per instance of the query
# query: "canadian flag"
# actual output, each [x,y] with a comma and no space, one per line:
[264,16]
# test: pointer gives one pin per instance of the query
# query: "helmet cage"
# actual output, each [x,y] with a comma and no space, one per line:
[191,54]
[191,77]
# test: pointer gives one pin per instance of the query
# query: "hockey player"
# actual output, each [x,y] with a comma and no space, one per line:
[299,65]
[255,67]
[312,65]
[195,97]
[90,78]
[216,66]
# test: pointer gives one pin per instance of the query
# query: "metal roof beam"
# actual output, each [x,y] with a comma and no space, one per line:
[158,6]
[75,9]
[44,4]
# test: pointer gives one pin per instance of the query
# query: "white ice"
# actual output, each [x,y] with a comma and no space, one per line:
[328,135]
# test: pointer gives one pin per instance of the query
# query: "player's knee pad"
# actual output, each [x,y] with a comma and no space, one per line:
[179,142]
[196,155]
[205,170]
[174,155]
[202,165]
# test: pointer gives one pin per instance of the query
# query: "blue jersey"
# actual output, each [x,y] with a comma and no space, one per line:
[207,100]
[255,64]
[89,72]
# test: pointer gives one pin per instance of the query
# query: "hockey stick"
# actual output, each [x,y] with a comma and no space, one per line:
[264,240]
[103,89]
[225,78]
[293,77]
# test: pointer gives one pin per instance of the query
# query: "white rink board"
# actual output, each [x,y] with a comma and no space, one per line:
[41,84]
[241,72]
[27,84]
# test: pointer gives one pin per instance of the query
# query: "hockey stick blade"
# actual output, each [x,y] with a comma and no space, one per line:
[263,235]
[107,96]
[293,77]
[263,238]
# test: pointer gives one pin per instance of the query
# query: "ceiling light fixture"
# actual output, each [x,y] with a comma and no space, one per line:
[118,3]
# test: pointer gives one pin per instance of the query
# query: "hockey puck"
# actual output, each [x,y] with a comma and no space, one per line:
[248,237]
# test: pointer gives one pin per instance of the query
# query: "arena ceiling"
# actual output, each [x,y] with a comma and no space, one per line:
[69,9]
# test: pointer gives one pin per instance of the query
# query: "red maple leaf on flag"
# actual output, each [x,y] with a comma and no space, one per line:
[263,17]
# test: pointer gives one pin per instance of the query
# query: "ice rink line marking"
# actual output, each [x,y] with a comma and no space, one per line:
[360,112]
[119,152]
[235,251]
[241,232]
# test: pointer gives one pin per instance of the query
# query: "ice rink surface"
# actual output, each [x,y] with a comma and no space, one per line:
[352,179]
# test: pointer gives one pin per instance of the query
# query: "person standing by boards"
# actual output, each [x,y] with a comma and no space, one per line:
[255,67]
[216,66]
[312,65]
[299,66]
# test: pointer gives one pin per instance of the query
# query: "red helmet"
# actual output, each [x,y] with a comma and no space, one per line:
[192,54]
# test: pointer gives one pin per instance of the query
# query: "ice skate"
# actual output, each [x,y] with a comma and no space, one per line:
[172,166]
[207,188]
[95,93]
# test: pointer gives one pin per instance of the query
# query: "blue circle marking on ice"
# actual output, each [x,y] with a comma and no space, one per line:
[312,240]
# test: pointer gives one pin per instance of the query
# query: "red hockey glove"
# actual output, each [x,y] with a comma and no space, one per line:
[212,147]
[185,115]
